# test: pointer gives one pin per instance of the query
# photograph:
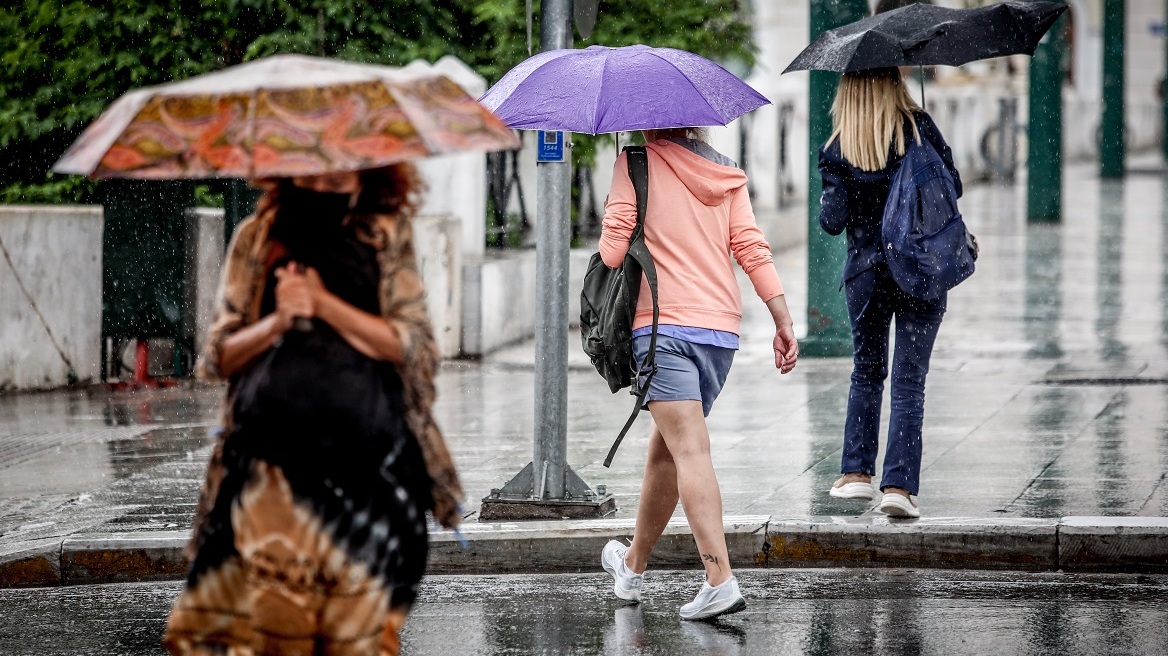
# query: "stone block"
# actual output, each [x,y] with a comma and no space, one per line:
[997,543]
[574,546]
[30,563]
[123,557]
[1127,544]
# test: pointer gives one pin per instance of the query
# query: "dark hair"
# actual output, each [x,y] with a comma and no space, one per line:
[697,134]
[395,190]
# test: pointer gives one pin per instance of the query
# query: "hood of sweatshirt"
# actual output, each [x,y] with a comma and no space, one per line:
[708,181]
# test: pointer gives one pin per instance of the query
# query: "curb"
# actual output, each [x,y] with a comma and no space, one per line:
[1081,544]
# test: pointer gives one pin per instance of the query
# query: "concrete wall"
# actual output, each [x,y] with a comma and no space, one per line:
[458,183]
[438,242]
[56,256]
[205,248]
[499,300]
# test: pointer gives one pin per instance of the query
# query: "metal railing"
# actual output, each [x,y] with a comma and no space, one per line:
[505,228]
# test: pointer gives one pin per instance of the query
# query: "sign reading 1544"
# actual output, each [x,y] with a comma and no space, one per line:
[550,147]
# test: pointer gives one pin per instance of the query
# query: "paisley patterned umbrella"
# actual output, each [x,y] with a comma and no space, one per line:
[283,116]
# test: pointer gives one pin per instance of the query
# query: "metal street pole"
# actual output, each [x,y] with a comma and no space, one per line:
[548,487]
[828,331]
[1164,89]
[1111,125]
[1044,164]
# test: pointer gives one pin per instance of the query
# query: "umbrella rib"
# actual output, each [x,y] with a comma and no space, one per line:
[695,88]
[599,92]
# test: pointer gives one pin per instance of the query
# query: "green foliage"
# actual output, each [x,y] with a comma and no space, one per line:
[63,61]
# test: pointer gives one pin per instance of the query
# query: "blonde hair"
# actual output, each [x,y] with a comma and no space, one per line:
[868,117]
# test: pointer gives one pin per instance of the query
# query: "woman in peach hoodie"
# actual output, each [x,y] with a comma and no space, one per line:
[698,215]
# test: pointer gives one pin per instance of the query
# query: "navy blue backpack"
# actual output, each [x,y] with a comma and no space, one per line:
[926,245]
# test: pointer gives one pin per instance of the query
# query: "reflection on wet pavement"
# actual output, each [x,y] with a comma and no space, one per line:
[788,612]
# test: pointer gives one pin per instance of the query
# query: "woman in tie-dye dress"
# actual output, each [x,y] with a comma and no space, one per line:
[310,537]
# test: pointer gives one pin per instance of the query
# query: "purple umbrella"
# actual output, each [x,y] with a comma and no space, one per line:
[601,89]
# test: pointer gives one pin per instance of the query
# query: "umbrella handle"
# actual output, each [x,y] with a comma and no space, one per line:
[302,325]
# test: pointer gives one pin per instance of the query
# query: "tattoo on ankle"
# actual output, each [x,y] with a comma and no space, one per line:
[710,558]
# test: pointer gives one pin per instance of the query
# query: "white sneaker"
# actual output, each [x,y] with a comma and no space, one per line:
[626,584]
[854,490]
[898,505]
[712,602]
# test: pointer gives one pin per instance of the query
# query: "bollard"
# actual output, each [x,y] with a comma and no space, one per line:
[142,362]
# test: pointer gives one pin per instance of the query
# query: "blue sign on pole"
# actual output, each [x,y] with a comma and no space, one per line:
[551,147]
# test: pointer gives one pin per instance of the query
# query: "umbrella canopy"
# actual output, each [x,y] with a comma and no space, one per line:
[925,35]
[600,89]
[283,116]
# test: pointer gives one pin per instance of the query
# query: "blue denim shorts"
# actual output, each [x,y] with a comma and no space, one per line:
[685,371]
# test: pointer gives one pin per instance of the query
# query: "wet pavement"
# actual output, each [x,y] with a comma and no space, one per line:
[788,612]
[1048,397]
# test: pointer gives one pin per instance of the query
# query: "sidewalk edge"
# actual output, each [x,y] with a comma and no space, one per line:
[1095,544]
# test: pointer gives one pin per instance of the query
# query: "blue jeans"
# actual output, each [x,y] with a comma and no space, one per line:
[873,300]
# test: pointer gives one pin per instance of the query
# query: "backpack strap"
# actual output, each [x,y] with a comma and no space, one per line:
[639,173]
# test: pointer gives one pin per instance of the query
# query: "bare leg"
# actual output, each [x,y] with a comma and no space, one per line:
[658,500]
[852,477]
[683,429]
[899,490]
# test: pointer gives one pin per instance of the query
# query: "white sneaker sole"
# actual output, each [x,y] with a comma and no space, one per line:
[896,505]
[716,610]
[854,490]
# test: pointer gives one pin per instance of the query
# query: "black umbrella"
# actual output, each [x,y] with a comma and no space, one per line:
[925,35]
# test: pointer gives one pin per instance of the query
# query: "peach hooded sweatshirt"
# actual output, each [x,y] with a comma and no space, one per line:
[698,214]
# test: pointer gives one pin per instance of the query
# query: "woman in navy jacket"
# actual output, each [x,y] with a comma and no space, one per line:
[874,117]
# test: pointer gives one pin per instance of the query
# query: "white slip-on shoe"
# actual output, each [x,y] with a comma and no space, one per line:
[626,584]
[714,601]
[898,505]
[854,490]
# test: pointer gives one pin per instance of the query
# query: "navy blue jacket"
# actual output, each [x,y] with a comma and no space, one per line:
[854,199]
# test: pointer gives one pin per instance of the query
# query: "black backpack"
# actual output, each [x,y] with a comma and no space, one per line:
[608,302]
